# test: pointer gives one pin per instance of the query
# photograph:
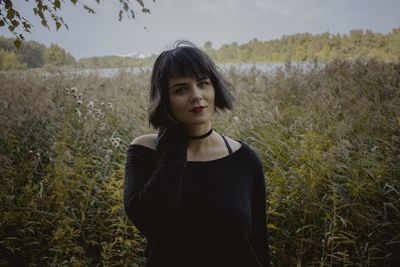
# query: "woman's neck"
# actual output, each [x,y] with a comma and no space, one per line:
[198,130]
[202,146]
[200,137]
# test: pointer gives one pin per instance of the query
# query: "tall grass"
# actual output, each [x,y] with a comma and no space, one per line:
[329,138]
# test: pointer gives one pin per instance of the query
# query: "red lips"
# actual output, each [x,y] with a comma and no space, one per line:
[197,109]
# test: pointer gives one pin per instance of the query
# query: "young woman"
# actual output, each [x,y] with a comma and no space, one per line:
[196,195]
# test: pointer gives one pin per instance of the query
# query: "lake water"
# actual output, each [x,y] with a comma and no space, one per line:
[264,67]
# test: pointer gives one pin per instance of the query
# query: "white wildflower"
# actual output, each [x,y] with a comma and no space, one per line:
[90,104]
[110,106]
[78,112]
[74,90]
[79,102]
[52,161]
[78,96]
[67,91]
[114,142]
[97,114]
[62,109]
[236,119]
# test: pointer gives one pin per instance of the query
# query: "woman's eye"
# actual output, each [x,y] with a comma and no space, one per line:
[180,90]
[204,83]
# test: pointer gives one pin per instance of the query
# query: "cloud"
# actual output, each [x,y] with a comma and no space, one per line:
[204,6]
[217,7]
[307,9]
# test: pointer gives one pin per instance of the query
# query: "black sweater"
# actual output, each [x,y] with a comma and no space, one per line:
[222,218]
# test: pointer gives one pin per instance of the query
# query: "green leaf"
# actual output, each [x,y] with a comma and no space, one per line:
[44,23]
[2,23]
[58,25]
[57,4]
[10,13]
[8,4]
[114,209]
[26,26]
[132,14]
[17,43]
[272,226]
[146,10]
[62,21]
[32,243]
[17,14]
[15,23]
[40,13]
[140,2]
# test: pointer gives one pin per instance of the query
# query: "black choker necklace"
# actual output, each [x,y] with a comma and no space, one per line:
[201,136]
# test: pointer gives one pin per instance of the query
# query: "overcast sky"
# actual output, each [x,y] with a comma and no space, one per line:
[218,21]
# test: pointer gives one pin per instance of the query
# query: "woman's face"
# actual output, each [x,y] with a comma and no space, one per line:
[192,100]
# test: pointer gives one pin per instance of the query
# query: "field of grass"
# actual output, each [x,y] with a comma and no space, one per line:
[328,136]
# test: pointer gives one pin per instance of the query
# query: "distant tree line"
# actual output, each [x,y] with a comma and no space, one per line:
[306,47]
[36,55]
[32,55]
[296,47]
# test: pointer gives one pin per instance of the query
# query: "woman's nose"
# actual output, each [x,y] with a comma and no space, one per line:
[196,94]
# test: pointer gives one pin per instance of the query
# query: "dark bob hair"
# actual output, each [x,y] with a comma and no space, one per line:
[183,60]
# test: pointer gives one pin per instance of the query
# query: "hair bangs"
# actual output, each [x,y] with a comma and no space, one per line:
[187,63]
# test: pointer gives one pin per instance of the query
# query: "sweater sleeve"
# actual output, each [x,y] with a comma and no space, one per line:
[145,188]
[259,236]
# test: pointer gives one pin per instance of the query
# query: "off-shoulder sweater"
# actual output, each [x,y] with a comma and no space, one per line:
[222,217]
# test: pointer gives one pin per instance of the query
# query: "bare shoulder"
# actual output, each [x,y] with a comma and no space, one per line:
[147,140]
[235,145]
